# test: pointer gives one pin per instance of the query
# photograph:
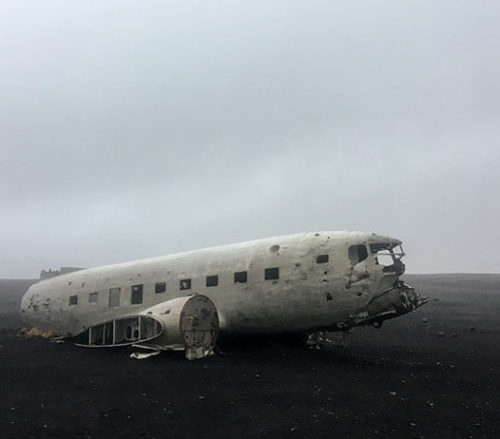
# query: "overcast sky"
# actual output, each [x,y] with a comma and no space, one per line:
[131,129]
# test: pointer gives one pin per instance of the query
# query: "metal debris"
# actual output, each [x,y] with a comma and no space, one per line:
[143,355]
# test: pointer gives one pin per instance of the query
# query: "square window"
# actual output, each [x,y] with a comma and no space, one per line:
[114,297]
[357,253]
[272,273]
[240,277]
[73,300]
[212,281]
[321,259]
[136,295]
[185,284]
[93,297]
[160,287]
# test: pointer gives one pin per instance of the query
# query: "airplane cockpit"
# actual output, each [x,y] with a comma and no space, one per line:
[370,257]
[375,268]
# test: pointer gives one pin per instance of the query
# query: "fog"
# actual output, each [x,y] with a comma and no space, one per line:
[134,129]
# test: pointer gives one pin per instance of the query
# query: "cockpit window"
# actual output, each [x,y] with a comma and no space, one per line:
[389,256]
[382,254]
[357,253]
[386,253]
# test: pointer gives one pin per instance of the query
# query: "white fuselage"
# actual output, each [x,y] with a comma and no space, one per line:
[313,282]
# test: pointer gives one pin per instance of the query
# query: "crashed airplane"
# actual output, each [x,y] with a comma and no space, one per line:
[302,283]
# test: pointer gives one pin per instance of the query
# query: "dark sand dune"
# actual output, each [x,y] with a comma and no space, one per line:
[433,373]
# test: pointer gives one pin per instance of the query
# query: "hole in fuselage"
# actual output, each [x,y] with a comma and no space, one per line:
[274,248]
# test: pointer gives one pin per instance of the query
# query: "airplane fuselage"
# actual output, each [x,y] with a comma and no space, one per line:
[290,283]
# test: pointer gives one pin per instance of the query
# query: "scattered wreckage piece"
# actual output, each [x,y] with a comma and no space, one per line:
[144,355]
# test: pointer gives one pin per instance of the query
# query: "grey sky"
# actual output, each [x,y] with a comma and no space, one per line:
[132,129]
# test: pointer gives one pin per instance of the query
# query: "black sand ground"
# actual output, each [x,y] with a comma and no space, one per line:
[433,373]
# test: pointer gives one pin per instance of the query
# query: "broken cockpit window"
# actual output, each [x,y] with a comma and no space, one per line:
[389,256]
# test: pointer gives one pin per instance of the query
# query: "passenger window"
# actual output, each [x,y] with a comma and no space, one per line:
[160,287]
[93,297]
[212,281]
[357,253]
[185,284]
[321,259]
[114,297]
[240,277]
[272,273]
[136,295]
[73,300]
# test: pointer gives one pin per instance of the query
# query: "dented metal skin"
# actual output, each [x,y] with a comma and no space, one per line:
[327,281]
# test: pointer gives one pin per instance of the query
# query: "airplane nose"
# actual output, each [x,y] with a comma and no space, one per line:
[401,298]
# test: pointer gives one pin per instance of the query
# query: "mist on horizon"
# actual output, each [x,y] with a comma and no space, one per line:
[130,130]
